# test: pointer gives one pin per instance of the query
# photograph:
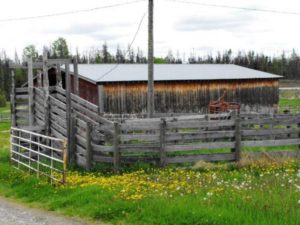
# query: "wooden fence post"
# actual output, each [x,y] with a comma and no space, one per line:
[13,100]
[162,140]
[68,107]
[30,92]
[116,159]
[75,77]
[46,89]
[238,137]
[73,139]
[89,154]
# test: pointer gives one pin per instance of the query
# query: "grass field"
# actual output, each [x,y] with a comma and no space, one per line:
[263,192]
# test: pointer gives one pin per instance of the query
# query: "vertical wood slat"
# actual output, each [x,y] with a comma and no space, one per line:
[238,138]
[13,99]
[73,138]
[75,77]
[30,92]
[46,90]
[58,74]
[116,158]
[101,99]
[89,156]
[162,140]
[68,106]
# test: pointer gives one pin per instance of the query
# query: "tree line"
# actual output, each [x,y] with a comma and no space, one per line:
[287,65]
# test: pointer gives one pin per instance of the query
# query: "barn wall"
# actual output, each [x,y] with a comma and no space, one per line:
[188,96]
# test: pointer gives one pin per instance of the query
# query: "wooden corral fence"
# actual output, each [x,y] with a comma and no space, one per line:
[159,141]
[46,156]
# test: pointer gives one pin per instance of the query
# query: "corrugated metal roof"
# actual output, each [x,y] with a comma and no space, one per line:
[168,72]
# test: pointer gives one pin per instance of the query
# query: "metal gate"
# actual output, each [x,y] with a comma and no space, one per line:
[36,153]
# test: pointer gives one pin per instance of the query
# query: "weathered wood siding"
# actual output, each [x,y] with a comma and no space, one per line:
[188,96]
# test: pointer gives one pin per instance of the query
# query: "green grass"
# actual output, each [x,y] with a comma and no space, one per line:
[261,195]
[285,102]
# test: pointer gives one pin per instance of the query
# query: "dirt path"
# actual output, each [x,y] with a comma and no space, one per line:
[14,214]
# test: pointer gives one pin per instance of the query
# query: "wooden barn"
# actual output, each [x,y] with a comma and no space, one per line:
[179,88]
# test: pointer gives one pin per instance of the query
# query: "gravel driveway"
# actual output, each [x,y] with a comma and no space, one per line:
[15,214]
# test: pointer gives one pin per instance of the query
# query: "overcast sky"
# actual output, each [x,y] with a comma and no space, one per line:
[181,27]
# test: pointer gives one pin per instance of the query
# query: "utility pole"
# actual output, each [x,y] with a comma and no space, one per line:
[150,94]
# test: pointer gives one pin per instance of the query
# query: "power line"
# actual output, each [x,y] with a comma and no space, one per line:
[236,7]
[69,12]
[128,50]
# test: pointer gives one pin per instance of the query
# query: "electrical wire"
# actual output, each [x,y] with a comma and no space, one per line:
[236,7]
[69,12]
[128,50]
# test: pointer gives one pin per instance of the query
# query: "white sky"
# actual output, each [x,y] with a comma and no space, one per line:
[181,27]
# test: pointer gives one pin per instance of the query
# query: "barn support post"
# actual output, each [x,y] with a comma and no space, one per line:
[101,99]
[46,90]
[89,156]
[30,92]
[238,138]
[116,156]
[13,99]
[68,108]
[162,142]
[75,77]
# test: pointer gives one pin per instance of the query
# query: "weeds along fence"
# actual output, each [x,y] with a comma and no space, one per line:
[161,141]
[40,154]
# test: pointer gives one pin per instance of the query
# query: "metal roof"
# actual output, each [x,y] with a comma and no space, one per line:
[169,72]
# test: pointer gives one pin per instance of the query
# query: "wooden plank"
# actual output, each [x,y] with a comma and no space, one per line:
[116,158]
[58,128]
[22,97]
[267,132]
[60,120]
[80,150]
[56,134]
[200,146]
[139,148]
[22,90]
[84,103]
[129,126]
[200,135]
[60,90]
[238,138]
[57,103]
[102,148]
[102,159]
[80,160]
[200,124]
[202,157]
[55,109]
[162,143]
[81,141]
[30,92]
[288,120]
[89,130]
[75,77]
[140,137]
[270,143]
[13,100]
